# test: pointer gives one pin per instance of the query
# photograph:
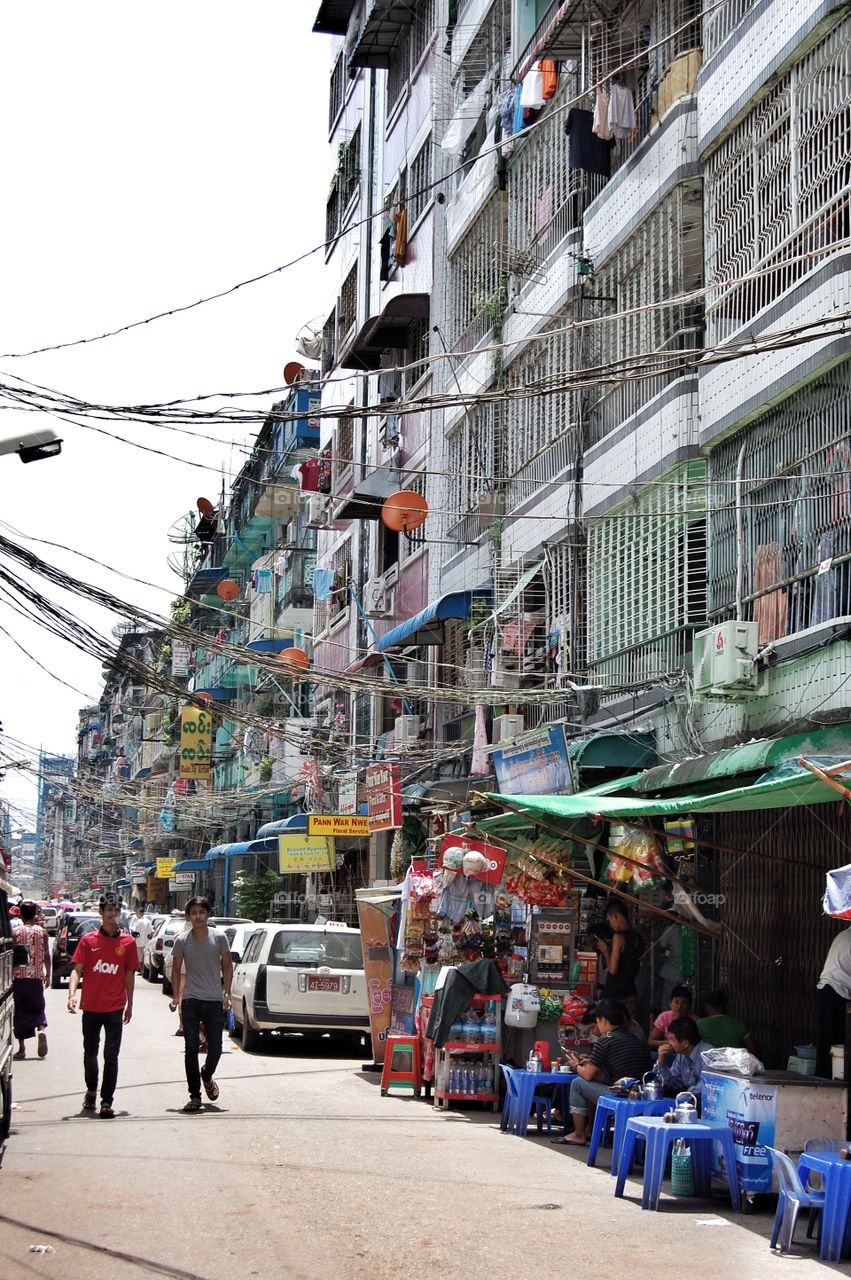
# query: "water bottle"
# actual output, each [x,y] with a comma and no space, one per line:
[484,1086]
[490,1026]
[469,1081]
[453,1080]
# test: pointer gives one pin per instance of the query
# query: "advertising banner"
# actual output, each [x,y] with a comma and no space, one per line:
[181,880]
[300,855]
[540,767]
[196,743]
[494,854]
[384,796]
[165,866]
[378,917]
[181,655]
[749,1107]
[347,793]
[334,824]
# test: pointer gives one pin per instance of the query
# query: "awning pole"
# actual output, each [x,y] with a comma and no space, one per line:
[610,889]
[825,775]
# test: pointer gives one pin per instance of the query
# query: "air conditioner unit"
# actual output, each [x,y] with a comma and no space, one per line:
[377,598]
[724,658]
[317,511]
[507,726]
[504,673]
[406,732]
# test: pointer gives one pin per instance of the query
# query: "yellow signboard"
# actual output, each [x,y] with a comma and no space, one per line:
[299,855]
[165,867]
[196,743]
[336,824]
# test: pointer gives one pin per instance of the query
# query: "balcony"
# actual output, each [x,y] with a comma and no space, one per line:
[384,23]
[660,656]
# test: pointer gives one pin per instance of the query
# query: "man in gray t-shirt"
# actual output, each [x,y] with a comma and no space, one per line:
[201,979]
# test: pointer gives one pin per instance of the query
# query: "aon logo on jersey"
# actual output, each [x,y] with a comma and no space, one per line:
[103,967]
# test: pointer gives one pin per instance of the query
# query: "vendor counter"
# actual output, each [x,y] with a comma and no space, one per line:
[776,1109]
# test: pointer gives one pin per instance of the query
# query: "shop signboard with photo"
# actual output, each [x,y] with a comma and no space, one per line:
[540,766]
[455,844]
[384,796]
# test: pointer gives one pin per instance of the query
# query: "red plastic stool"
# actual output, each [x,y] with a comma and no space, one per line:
[393,1076]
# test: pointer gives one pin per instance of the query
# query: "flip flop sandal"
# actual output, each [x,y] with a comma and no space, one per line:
[89,1101]
[42,1045]
[194,1104]
[106,1111]
[211,1089]
[19,1056]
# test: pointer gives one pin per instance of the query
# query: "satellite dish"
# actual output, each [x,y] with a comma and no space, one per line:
[293,371]
[205,506]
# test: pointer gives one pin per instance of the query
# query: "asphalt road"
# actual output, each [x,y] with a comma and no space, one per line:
[303,1170]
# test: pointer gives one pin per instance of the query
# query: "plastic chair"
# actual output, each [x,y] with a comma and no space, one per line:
[393,1077]
[815,1181]
[793,1197]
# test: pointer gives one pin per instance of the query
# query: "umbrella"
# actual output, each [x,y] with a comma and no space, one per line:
[67,906]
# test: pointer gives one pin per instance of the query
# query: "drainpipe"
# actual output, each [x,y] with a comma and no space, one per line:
[740,533]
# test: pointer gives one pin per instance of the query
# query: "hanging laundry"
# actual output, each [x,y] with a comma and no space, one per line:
[323,581]
[385,244]
[506,119]
[549,78]
[517,124]
[769,610]
[532,95]
[587,151]
[264,582]
[622,118]
[465,119]
[389,378]
[601,115]
[279,568]
[309,475]
[400,244]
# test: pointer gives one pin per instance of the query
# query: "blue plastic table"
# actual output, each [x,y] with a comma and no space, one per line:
[619,1110]
[660,1137]
[834,1232]
[527,1083]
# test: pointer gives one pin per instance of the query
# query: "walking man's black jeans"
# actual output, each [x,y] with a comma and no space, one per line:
[212,1014]
[113,1024]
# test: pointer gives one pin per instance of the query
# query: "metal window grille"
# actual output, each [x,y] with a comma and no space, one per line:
[647,579]
[476,283]
[472,464]
[347,306]
[419,182]
[794,561]
[325,612]
[329,345]
[411,46]
[342,459]
[332,217]
[662,259]
[363,721]
[337,89]
[540,438]
[410,546]
[491,44]
[565,617]
[777,188]
[546,196]
[720,21]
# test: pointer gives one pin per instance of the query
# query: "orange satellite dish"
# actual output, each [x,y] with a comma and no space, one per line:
[292,372]
[295,659]
[228,589]
[404,511]
[205,506]
[203,697]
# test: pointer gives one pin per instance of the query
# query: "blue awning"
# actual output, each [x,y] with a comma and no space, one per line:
[295,822]
[268,645]
[424,627]
[241,848]
[190,864]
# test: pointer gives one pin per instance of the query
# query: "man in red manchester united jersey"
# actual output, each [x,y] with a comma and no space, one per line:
[108,960]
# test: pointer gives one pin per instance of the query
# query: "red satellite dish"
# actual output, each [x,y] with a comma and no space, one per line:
[228,589]
[292,372]
[205,506]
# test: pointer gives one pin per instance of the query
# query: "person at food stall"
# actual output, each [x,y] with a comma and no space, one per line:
[622,955]
[616,1053]
[832,994]
[679,1062]
[680,1008]
[721,1029]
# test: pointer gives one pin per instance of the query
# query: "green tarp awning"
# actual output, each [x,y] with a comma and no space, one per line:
[789,786]
[752,757]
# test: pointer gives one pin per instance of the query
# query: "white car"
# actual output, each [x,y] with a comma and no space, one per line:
[300,977]
[160,942]
[238,936]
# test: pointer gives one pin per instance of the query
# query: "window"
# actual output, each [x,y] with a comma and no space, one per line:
[337,950]
[347,306]
[329,344]
[338,90]
[327,612]
[477,285]
[342,462]
[409,50]
[419,183]
[647,579]
[344,188]
[777,188]
[796,500]
[473,452]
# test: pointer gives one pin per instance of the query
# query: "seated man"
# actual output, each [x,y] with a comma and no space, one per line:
[720,1029]
[679,1062]
[617,1053]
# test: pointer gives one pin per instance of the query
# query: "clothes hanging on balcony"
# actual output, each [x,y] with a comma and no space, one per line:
[263,584]
[400,244]
[532,89]
[549,78]
[601,115]
[465,119]
[308,474]
[506,120]
[518,124]
[385,245]
[323,581]
[622,118]
[769,610]
[587,151]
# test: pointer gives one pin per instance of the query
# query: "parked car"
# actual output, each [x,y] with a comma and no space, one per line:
[300,977]
[51,917]
[222,921]
[238,936]
[70,928]
[160,942]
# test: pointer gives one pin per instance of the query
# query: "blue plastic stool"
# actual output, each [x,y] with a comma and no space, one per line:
[660,1137]
[508,1121]
[615,1112]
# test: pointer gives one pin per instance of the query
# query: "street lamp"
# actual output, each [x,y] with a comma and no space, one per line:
[33,446]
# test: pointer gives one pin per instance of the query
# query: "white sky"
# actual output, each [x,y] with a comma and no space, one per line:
[152,154]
